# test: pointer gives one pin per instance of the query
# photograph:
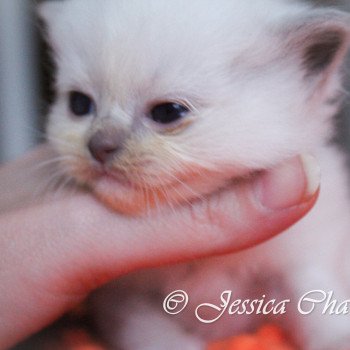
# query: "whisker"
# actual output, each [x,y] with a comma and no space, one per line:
[49,185]
[59,141]
[185,185]
[163,188]
[53,161]
[62,186]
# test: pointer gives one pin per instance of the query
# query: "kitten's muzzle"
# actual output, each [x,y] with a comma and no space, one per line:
[105,144]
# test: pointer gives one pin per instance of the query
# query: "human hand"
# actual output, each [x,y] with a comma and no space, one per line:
[52,254]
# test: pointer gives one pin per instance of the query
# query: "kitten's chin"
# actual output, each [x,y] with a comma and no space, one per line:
[133,200]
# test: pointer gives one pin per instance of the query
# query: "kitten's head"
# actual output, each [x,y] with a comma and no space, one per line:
[163,101]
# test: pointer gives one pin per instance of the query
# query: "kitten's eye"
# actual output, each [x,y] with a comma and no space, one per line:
[80,104]
[169,112]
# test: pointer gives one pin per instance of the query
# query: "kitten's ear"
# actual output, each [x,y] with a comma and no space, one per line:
[321,41]
[48,10]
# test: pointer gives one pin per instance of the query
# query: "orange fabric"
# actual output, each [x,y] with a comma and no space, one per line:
[80,340]
[267,338]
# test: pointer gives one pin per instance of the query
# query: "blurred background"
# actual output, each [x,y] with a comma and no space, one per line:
[26,76]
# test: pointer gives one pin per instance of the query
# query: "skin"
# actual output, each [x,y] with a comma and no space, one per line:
[53,252]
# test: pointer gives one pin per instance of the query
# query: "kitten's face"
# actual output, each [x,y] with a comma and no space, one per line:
[165,101]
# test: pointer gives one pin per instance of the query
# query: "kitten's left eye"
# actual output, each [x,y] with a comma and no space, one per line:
[169,112]
[80,104]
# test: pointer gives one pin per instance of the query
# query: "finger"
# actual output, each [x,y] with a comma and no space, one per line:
[249,212]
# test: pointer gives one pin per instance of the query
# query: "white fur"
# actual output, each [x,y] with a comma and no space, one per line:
[238,64]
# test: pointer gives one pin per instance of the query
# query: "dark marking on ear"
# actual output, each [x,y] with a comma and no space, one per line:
[321,53]
[336,100]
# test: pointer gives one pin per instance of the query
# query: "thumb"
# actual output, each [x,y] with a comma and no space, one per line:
[248,212]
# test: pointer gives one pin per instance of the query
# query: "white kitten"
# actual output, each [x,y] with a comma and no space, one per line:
[160,102]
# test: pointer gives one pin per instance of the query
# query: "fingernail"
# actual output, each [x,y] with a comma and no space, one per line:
[291,183]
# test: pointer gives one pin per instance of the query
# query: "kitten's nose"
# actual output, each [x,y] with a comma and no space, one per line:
[104,144]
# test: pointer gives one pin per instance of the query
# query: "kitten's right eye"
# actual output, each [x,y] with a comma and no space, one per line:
[80,104]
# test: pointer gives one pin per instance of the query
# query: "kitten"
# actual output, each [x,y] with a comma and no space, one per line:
[160,102]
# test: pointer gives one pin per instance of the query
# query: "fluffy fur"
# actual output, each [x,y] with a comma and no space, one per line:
[262,80]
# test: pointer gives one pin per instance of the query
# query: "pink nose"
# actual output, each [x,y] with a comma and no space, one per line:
[105,144]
